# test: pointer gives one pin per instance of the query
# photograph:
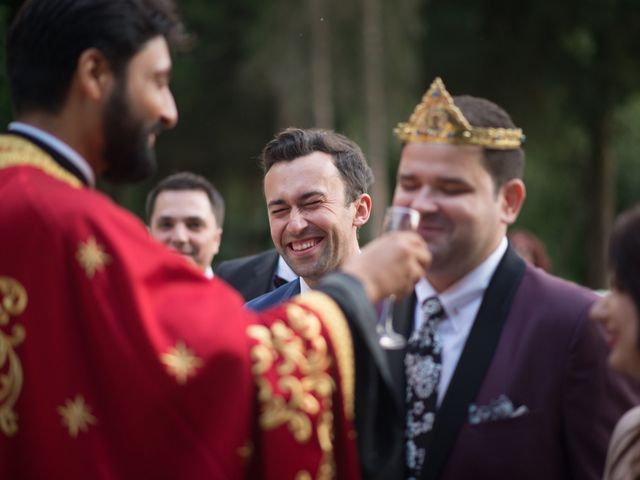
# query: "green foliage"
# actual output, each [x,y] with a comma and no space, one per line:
[627,152]
[559,68]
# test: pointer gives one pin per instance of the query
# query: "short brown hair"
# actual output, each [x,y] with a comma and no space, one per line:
[187,181]
[348,158]
[502,165]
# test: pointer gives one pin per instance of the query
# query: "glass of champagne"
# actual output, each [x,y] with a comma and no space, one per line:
[395,218]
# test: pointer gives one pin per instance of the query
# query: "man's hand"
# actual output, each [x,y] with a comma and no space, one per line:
[390,264]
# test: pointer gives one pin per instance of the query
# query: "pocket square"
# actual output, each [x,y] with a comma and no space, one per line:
[499,409]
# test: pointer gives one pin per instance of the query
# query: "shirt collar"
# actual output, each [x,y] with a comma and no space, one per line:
[283,270]
[208,272]
[57,145]
[303,286]
[467,289]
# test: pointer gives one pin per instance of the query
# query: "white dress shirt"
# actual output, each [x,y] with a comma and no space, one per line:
[303,286]
[57,145]
[461,301]
[283,270]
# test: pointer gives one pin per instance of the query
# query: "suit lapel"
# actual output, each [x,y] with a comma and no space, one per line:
[474,361]
[265,270]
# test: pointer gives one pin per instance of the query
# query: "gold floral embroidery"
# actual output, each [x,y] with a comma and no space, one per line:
[181,362]
[16,151]
[336,324]
[246,450]
[13,301]
[297,352]
[76,416]
[92,256]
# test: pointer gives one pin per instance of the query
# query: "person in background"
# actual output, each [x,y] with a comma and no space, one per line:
[619,313]
[186,212]
[315,186]
[119,359]
[530,248]
[503,375]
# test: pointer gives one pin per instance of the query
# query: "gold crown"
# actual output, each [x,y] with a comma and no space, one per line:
[437,120]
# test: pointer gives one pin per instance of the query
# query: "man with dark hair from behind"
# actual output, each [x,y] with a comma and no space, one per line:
[186,213]
[118,359]
[316,185]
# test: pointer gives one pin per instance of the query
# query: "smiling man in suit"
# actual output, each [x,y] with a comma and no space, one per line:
[315,185]
[186,212]
[503,376]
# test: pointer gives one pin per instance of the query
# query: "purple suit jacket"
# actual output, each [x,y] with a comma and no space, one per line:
[532,346]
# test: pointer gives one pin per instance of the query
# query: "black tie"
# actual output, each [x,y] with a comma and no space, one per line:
[423,362]
[278,281]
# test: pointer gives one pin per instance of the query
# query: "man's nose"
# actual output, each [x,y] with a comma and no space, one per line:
[424,201]
[598,311]
[169,114]
[297,221]
[179,234]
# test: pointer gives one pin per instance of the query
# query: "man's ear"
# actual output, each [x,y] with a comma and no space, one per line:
[363,210]
[512,195]
[218,240]
[94,74]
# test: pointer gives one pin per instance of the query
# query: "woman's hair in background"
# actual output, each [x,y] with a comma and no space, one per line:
[530,248]
[624,255]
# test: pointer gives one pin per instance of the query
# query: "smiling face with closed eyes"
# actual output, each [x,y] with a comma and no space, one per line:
[463,215]
[312,225]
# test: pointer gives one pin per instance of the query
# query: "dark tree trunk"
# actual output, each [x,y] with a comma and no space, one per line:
[376,146]
[602,196]
[321,91]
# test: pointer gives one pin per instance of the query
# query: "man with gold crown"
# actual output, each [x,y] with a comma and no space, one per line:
[503,376]
[118,358]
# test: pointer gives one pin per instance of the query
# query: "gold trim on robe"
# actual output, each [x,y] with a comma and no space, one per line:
[338,328]
[18,152]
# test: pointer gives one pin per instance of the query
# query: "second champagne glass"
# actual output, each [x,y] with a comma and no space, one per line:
[395,218]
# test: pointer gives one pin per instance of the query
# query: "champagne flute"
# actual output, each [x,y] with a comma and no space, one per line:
[395,218]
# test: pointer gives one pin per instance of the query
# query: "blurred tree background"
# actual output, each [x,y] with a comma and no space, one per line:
[567,71]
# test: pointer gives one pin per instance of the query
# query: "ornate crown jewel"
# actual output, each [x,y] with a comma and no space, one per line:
[436,119]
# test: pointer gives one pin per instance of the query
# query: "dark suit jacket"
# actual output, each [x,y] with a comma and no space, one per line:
[378,413]
[279,295]
[252,276]
[532,342]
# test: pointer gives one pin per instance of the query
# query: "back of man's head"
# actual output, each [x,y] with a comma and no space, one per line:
[48,36]
[348,158]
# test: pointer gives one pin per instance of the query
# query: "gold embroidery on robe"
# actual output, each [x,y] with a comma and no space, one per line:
[76,416]
[13,301]
[92,256]
[304,387]
[16,151]
[336,325]
[181,362]
[246,450]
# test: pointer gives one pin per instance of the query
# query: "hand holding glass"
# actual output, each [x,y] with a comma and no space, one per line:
[395,218]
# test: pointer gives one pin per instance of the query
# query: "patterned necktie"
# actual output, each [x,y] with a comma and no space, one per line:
[423,362]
